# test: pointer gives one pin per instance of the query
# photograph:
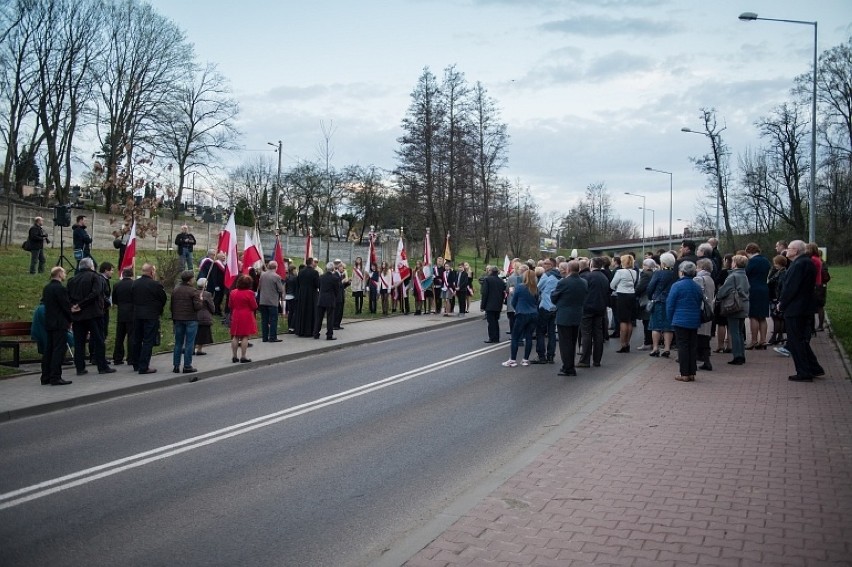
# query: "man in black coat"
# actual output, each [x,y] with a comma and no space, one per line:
[797,305]
[82,240]
[329,289]
[85,290]
[57,318]
[123,301]
[149,300]
[37,238]
[594,313]
[492,292]
[307,283]
[569,297]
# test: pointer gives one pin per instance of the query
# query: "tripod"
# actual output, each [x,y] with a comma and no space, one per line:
[63,260]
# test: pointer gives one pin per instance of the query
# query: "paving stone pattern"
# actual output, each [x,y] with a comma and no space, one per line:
[740,467]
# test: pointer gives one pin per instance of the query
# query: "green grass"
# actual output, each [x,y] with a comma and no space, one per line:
[839,305]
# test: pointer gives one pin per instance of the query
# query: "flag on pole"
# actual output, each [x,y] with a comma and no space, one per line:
[427,256]
[447,255]
[230,241]
[222,244]
[309,249]
[373,259]
[255,237]
[278,256]
[402,261]
[129,258]
[251,255]
[507,266]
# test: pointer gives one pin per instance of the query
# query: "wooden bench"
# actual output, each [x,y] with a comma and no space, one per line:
[19,333]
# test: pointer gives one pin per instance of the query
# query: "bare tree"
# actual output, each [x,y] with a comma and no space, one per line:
[146,59]
[197,124]
[715,166]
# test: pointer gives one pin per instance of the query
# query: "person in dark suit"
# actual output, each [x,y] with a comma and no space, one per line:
[329,289]
[149,300]
[307,283]
[797,305]
[569,297]
[594,314]
[37,238]
[462,284]
[492,292]
[57,319]
[340,269]
[85,290]
[123,301]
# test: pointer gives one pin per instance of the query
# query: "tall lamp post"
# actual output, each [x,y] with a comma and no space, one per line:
[277,184]
[653,220]
[671,199]
[643,216]
[714,142]
[750,17]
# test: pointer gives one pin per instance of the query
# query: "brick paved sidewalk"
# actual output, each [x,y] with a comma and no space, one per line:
[741,467]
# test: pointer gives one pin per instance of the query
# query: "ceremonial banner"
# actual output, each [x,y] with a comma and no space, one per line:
[309,249]
[251,255]
[447,254]
[129,258]
[402,261]
[278,256]
[231,266]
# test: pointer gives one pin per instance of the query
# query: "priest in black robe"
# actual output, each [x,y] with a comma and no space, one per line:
[306,304]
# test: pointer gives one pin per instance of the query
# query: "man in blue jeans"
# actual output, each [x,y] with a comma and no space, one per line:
[186,303]
[270,288]
[546,314]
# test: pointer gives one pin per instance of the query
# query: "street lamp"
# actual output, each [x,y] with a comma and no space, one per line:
[643,216]
[750,17]
[715,143]
[653,222]
[277,184]
[671,197]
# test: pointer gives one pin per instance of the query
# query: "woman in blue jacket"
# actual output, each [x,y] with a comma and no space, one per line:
[683,306]
[525,302]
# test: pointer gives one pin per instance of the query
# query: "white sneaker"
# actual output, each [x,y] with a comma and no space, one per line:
[782,351]
[644,347]
[510,364]
[525,362]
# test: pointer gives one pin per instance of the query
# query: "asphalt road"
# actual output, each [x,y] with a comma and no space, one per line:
[331,460]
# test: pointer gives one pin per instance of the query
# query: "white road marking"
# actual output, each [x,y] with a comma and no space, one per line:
[48,487]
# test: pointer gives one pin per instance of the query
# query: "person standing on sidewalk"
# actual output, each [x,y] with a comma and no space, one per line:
[704,279]
[736,282]
[594,313]
[57,319]
[185,242]
[796,303]
[123,302]
[329,287]
[546,325]
[270,291]
[85,291]
[492,293]
[569,297]
[684,303]
[37,238]
[149,300]
[186,303]
[525,302]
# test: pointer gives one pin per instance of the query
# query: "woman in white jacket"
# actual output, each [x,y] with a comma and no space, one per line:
[358,284]
[624,284]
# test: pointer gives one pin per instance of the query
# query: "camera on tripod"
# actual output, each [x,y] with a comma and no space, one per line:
[62,215]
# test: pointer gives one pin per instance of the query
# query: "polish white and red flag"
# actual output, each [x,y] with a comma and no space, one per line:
[251,255]
[402,261]
[309,249]
[373,259]
[129,258]
[507,266]
[278,256]
[229,245]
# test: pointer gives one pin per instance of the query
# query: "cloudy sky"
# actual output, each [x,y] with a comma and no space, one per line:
[592,90]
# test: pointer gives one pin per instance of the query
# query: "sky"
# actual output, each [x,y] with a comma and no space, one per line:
[592,91]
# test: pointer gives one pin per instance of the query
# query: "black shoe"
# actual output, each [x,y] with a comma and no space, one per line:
[706,366]
[737,361]
[199,354]
[245,360]
[596,364]
[550,360]
[189,369]
[275,340]
[107,370]
[176,369]
[316,336]
[148,371]
[582,365]
[567,373]
[797,378]
[665,354]
[60,382]
[654,353]
[490,342]
[81,372]
[331,338]
[538,361]
[624,349]
[234,359]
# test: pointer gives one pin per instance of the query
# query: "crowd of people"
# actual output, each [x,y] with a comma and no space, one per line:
[683,298]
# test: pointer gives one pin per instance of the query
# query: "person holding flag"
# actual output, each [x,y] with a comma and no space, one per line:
[128,259]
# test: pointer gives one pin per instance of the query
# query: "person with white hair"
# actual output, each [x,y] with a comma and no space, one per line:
[329,288]
[85,291]
[649,266]
[658,292]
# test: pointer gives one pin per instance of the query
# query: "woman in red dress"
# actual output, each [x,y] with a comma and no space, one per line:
[243,323]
